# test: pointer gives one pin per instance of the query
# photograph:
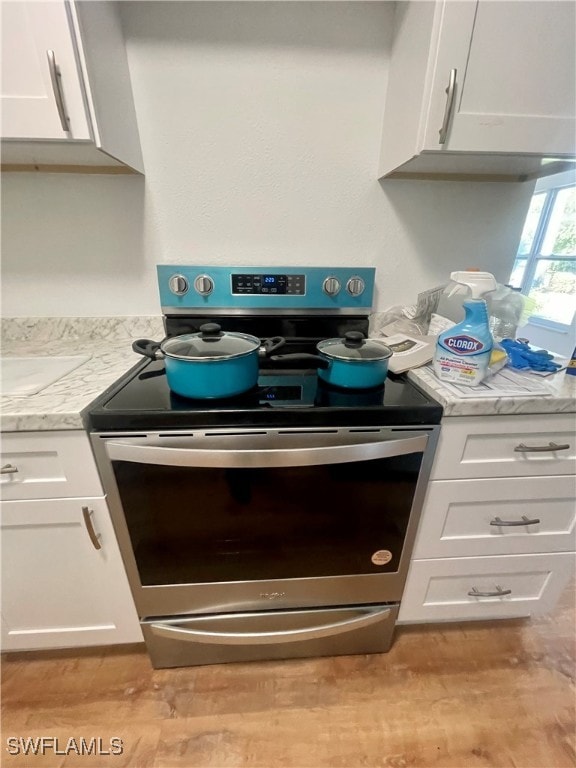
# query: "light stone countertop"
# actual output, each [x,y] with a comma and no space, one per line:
[108,341]
[59,406]
[562,400]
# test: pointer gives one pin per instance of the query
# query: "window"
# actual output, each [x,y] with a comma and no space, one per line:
[545,265]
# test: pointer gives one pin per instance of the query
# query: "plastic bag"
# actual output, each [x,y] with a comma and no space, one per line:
[411,319]
[509,309]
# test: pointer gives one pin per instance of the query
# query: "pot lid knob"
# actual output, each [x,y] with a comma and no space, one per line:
[210,331]
[353,339]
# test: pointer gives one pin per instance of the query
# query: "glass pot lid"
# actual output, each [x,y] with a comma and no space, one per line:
[210,344]
[354,348]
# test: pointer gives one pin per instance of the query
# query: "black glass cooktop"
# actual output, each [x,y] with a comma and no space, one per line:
[142,400]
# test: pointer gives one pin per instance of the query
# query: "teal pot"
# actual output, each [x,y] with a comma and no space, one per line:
[211,364]
[351,363]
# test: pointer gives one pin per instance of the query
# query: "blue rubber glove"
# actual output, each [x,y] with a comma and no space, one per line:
[524,358]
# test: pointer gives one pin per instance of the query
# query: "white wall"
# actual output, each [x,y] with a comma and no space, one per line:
[260,126]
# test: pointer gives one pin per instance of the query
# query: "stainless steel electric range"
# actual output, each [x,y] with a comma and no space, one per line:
[278,523]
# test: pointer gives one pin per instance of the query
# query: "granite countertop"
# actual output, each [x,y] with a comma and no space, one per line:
[561,400]
[108,342]
[60,405]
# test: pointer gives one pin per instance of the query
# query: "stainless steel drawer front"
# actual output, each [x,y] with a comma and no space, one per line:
[269,635]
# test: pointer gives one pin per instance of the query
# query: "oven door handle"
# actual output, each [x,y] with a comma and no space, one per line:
[272,457]
[172,632]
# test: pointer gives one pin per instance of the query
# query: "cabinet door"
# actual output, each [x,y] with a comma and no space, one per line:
[29,99]
[58,590]
[515,77]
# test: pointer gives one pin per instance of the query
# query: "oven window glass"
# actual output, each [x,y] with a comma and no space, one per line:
[212,525]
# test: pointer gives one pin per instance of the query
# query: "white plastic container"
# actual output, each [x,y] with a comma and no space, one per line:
[450,310]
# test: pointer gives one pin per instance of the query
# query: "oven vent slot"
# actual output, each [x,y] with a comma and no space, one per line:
[307,431]
[365,429]
[411,427]
[178,434]
[119,436]
[228,434]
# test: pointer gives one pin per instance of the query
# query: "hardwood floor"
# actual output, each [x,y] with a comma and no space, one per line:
[492,694]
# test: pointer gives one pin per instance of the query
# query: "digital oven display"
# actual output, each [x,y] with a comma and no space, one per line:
[294,285]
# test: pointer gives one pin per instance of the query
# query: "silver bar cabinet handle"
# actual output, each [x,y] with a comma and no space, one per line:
[268,638]
[56,78]
[498,593]
[550,448]
[510,523]
[8,469]
[451,93]
[94,537]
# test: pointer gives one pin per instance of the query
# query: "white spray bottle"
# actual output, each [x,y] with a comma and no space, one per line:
[462,353]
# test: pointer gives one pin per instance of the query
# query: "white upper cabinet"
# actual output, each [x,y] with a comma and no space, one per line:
[481,89]
[36,45]
[66,96]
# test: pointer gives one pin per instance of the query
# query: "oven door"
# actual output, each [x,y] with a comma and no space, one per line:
[212,522]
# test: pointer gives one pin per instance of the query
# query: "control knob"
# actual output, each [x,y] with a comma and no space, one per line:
[178,285]
[355,286]
[331,286]
[204,285]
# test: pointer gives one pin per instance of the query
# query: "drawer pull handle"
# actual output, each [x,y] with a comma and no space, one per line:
[94,537]
[550,448]
[8,469]
[498,593]
[523,521]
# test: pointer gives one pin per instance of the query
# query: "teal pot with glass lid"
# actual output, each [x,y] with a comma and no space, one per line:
[211,364]
[350,363]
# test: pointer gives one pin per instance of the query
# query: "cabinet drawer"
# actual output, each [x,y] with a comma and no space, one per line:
[440,590]
[460,517]
[47,465]
[506,446]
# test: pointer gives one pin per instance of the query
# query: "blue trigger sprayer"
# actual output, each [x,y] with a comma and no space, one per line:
[462,352]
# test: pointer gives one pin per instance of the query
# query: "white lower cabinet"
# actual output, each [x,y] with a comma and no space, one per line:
[47,465]
[63,581]
[505,446]
[463,588]
[497,517]
[497,533]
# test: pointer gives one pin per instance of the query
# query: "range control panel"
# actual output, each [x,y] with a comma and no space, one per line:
[204,288]
[293,285]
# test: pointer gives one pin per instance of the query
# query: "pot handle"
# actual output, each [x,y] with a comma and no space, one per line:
[271,345]
[147,348]
[287,361]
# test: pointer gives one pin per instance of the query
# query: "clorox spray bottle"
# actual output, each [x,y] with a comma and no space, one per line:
[463,352]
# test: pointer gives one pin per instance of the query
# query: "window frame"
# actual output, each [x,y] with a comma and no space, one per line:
[550,186]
